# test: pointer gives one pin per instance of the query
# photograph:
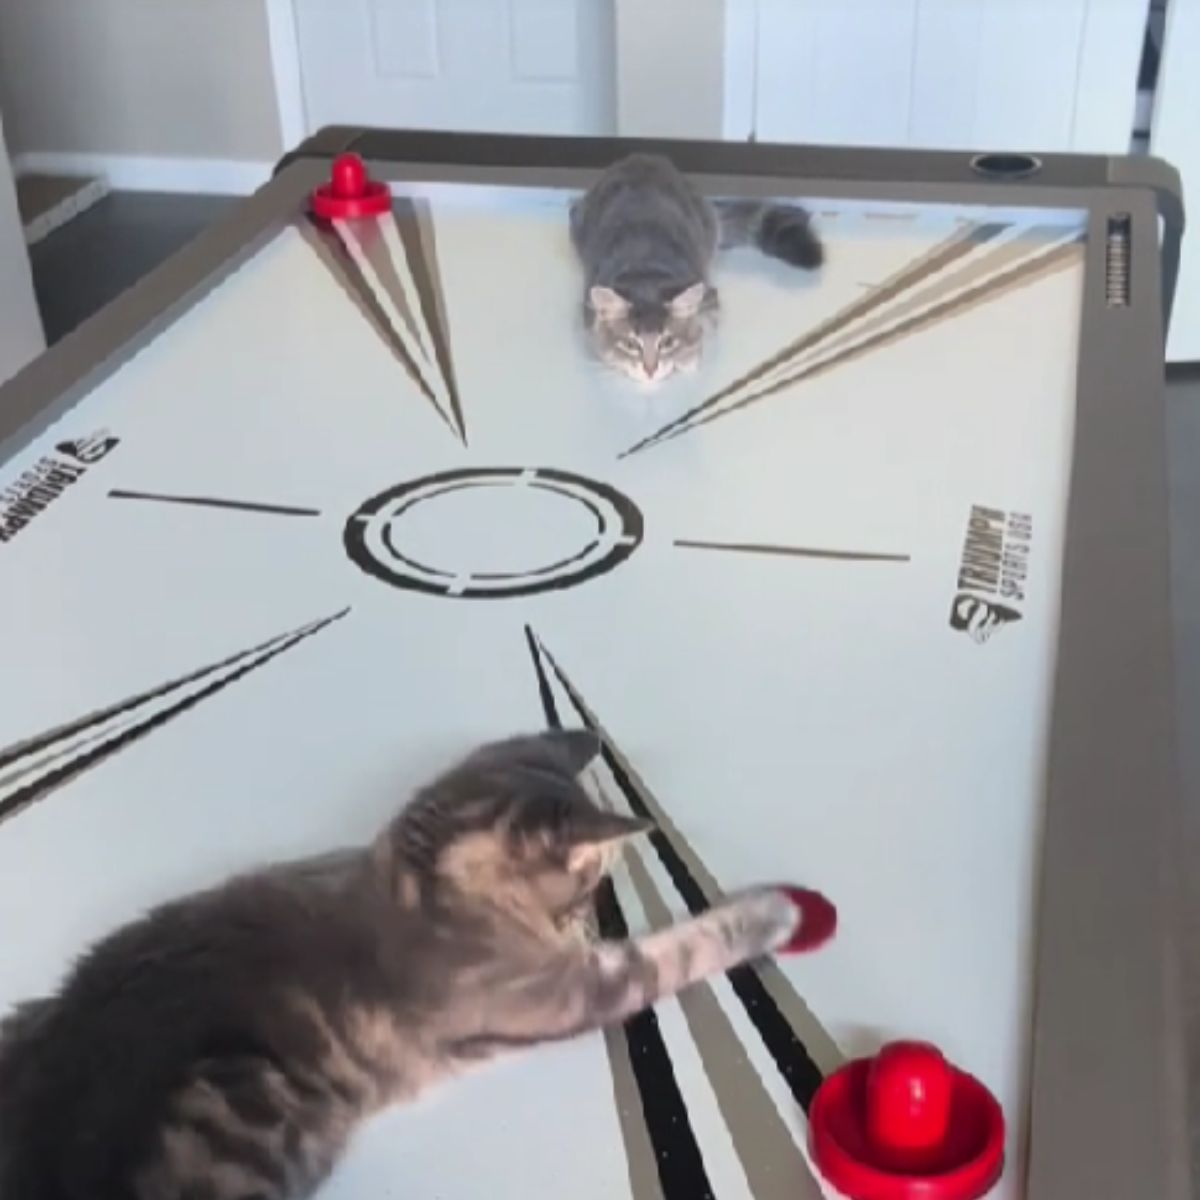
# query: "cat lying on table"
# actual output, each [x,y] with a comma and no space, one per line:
[647,239]
[226,1046]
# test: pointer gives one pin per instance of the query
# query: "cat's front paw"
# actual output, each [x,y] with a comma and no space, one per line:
[765,920]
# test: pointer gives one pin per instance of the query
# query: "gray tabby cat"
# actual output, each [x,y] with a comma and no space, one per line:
[225,1046]
[647,239]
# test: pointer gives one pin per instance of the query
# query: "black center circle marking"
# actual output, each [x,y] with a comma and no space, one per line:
[375,533]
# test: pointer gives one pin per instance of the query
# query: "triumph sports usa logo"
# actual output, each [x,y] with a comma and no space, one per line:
[34,490]
[992,572]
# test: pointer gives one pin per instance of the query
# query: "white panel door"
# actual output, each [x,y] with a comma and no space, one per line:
[1176,137]
[20,325]
[527,66]
[949,74]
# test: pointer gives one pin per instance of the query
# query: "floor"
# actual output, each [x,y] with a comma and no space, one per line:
[47,202]
[81,266]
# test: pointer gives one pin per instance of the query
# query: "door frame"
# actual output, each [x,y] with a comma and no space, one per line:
[1110,48]
[1172,137]
[286,68]
[22,337]
[692,107]
[724,31]
[724,41]
[739,79]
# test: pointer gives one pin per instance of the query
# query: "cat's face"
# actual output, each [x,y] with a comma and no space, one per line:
[649,338]
[514,827]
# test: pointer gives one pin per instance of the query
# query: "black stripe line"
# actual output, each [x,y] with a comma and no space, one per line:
[214,502]
[414,223]
[676,1151]
[923,267]
[368,234]
[545,693]
[35,745]
[40,787]
[792,1059]
[995,285]
[792,551]
[677,1154]
[327,245]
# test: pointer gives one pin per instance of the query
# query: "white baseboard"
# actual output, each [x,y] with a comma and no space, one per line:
[136,173]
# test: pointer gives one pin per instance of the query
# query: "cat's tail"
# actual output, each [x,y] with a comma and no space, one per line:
[782,231]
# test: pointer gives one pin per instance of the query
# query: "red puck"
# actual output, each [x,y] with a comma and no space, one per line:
[906,1125]
[817,923]
[350,192]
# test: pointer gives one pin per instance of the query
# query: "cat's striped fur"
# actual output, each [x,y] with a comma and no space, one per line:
[225,1046]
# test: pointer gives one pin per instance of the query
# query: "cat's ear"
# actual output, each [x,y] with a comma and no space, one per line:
[607,304]
[594,827]
[581,746]
[690,301]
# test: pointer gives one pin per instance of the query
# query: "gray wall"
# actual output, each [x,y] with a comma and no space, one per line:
[173,78]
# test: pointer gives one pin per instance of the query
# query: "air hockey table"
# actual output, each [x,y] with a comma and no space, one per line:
[876,600]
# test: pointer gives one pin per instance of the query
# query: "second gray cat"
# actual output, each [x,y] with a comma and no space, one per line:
[647,239]
[227,1045]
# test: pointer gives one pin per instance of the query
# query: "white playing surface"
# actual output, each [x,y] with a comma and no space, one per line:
[804,718]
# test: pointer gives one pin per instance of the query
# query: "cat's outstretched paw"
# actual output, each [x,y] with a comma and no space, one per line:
[816,920]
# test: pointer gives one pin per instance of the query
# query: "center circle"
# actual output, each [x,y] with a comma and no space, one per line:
[494,529]
[493,532]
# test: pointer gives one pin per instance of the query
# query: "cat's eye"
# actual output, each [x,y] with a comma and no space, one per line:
[668,342]
[629,345]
